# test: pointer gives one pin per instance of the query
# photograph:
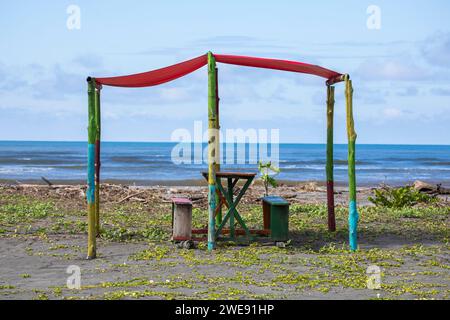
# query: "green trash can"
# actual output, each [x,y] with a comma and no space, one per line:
[276,217]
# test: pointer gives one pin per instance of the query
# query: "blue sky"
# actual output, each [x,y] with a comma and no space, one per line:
[401,72]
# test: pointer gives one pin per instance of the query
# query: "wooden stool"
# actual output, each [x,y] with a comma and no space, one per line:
[276,217]
[181,219]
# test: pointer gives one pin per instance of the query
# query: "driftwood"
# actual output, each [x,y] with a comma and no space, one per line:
[47,182]
[131,196]
[429,188]
[138,199]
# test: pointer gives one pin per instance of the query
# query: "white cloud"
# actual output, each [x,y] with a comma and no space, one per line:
[440,91]
[392,113]
[397,69]
[408,92]
[89,61]
[436,49]
[174,94]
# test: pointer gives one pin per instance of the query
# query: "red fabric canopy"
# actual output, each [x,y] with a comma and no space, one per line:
[284,65]
[155,77]
[159,76]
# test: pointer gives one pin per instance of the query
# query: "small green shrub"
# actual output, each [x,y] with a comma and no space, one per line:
[399,197]
[268,171]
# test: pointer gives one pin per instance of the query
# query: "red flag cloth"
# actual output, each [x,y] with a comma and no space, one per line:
[155,77]
[277,64]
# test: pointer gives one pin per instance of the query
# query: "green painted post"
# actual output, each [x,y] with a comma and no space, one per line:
[329,166]
[212,136]
[231,200]
[97,158]
[353,212]
[90,193]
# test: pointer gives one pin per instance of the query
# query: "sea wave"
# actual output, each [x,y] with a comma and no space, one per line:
[152,161]
[21,170]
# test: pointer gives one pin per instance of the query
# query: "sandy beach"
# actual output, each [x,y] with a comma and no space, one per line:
[43,232]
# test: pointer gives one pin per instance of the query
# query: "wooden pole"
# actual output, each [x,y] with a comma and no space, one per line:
[329,166]
[212,133]
[90,193]
[97,159]
[217,127]
[353,212]
[336,79]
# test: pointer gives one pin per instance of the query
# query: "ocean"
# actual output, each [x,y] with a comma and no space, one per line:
[151,163]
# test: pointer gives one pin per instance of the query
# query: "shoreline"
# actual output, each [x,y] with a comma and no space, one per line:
[306,192]
[299,192]
[201,182]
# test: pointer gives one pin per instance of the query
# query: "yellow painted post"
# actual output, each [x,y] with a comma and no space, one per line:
[212,136]
[90,193]
[351,134]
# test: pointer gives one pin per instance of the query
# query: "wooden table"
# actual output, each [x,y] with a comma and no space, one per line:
[230,201]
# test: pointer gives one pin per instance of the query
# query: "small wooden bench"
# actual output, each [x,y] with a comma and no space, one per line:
[276,217]
[181,219]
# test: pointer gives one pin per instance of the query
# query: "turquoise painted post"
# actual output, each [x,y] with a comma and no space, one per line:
[212,132]
[90,193]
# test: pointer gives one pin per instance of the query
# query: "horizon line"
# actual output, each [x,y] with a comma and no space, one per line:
[296,143]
